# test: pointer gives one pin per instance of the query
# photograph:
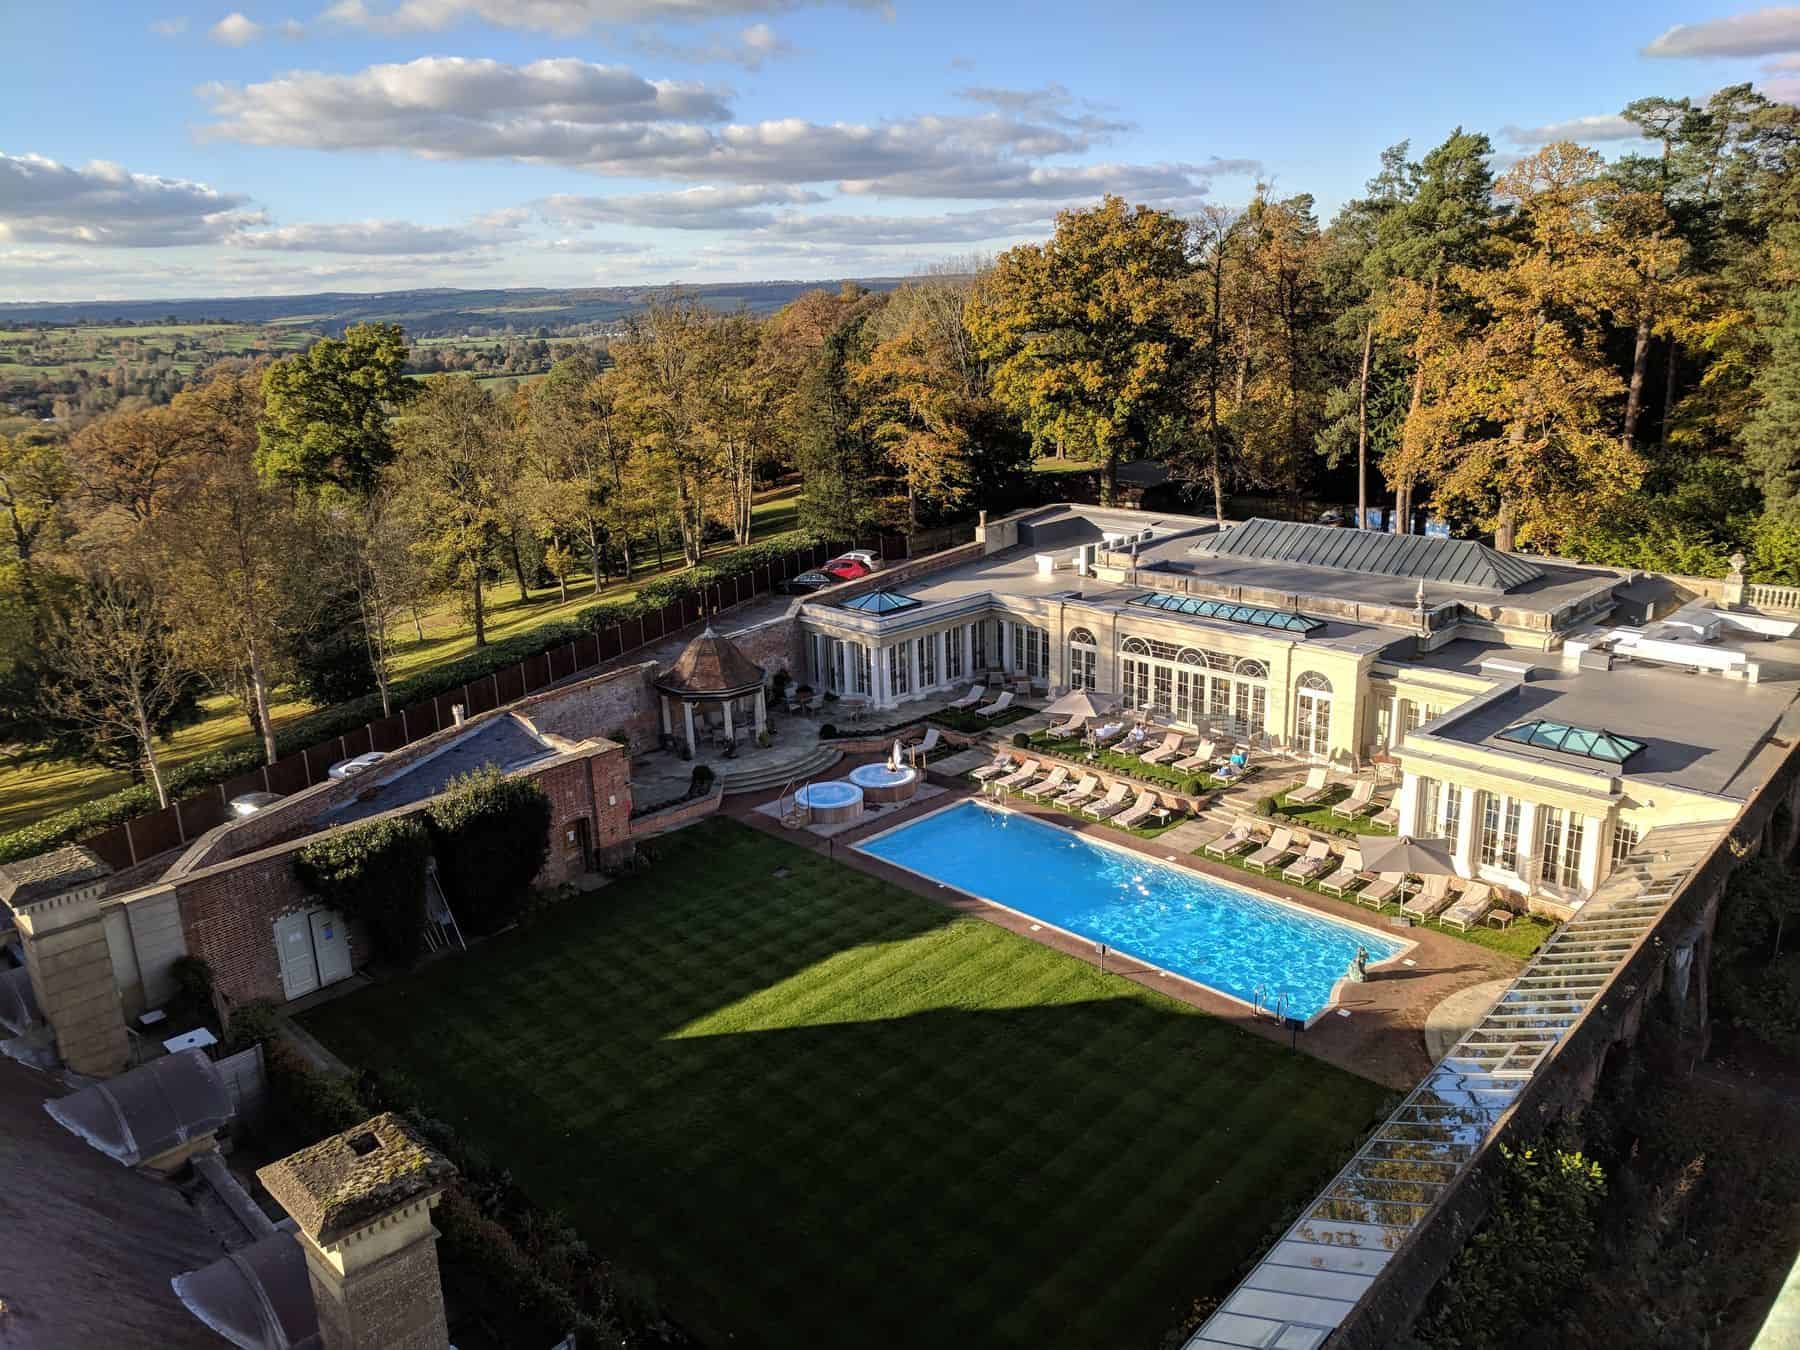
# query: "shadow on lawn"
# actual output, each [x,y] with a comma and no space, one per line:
[878,1154]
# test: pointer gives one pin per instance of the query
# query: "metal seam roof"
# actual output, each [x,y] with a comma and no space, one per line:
[1454,562]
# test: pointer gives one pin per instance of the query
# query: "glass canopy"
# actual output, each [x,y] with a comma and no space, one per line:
[1229,611]
[881,602]
[1602,745]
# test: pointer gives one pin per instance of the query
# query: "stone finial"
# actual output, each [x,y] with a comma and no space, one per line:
[1738,562]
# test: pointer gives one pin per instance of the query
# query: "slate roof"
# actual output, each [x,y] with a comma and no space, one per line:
[49,874]
[1452,562]
[340,1184]
[711,666]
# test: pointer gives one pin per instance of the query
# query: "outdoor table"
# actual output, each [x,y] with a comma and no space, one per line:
[197,1039]
[1500,918]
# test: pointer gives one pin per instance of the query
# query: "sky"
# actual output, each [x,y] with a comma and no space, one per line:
[156,148]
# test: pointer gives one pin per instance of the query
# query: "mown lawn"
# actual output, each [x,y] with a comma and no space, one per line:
[31,792]
[822,1111]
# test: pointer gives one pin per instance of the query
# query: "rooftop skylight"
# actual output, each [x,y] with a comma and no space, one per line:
[881,602]
[1601,745]
[1279,619]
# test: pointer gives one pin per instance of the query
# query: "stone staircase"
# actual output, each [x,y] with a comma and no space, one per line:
[762,775]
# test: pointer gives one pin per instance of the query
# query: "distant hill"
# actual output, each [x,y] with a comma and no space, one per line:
[426,313]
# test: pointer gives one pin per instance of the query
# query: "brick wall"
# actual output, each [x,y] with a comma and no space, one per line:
[620,700]
[774,646]
[682,813]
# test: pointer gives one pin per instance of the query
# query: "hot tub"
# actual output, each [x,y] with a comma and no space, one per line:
[831,802]
[884,785]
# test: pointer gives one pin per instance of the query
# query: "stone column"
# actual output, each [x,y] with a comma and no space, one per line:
[662,706]
[1407,800]
[362,1204]
[762,713]
[1592,829]
[687,719]
[726,704]
[55,899]
[1468,823]
[967,638]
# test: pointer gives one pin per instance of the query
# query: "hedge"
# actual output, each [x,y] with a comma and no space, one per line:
[491,835]
[374,873]
[208,771]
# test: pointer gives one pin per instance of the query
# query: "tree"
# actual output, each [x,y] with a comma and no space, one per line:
[115,677]
[1213,238]
[1772,435]
[1088,325]
[35,485]
[326,422]
[456,456]
[661,364]
[134,462]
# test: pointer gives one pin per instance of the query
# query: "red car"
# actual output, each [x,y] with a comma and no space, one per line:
[846,568]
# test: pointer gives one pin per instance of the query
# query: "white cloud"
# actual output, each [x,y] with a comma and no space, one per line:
[1783,90]
[953,227]
[1053,104]
[1759,32]
[700,208]
[554,16]
[1595,127]
[169,27]
[373,238]
[608,120]
[42,200]
[235,30]
[752,48]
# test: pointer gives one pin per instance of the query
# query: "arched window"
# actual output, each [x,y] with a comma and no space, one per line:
[1313,680]
[1252,670]
[1136,646]
[1084,659]
[1187,656]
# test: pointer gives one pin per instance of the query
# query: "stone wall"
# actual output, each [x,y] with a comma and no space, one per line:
[681,813]
[775,645]
[1566,1083]
[606,705]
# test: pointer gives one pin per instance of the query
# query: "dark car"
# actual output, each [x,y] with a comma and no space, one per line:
[806,583]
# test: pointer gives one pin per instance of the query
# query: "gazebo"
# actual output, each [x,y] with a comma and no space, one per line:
[711,671]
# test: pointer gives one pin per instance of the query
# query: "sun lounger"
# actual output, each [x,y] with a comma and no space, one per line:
[1081,794]
[1315,860]
[1360,798]
[1072,727]
[1470,908]
[970,699]
[1388,816]
[1280,844]
[999,705]
[1237,837]
[1381,890]
[1198,762]
[920,752]
[1049,785]
[1431,899]
[1311,790]
[1110,731]
[1020,776]
[1002,764]
[1235,767]
[1109,805]
[1170,747]
[1348,873]
[1139,810]
[1133,742]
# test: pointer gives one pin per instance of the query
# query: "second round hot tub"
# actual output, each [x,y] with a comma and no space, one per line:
[831,802]
[883,785]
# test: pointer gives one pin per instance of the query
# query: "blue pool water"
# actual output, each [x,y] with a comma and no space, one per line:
[1217,934]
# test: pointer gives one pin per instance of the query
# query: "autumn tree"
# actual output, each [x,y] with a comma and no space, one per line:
[35,487]
[1087,326]
[456,456]
[661,387]
[327,417]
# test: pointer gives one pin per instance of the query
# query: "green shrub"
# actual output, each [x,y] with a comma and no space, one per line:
[828,731]
[305,1105]
[374,873]
[1529,1251]
[1193,787]
[193,1001]
[701,782]
[1266,806]
[1020,740]
[254,1022]
[491,835]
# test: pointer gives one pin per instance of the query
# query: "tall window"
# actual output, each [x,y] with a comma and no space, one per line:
[1625,841]
[899,668]
[1450,819]
[981,645]
[1430,794]
[863,669]
[1084,659]
[1312,718]
[1561,852]
[1031,651]
[928,650]
[1490,829]
[1509,835]
[953,653]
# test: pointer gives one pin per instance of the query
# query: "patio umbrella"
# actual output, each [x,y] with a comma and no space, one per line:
[1403,853]
[1081,703]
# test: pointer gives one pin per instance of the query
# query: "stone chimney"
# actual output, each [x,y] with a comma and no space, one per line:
[362,1201]
[55,899]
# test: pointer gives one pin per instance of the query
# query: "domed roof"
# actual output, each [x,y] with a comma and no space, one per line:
[711,667]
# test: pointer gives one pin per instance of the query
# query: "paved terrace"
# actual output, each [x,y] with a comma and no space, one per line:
[1311,1279]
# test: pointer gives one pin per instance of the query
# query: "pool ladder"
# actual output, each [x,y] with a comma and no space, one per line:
[1276,1009]
[788,808]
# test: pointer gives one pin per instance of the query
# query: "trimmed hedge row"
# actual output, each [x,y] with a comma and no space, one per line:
[208,771]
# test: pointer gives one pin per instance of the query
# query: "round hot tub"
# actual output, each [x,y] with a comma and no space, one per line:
[831,802]
[884,785]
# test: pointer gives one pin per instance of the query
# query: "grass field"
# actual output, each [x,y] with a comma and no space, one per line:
[822,1111]
[30,792]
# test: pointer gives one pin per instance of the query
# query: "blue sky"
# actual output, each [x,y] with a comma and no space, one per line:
[173,149]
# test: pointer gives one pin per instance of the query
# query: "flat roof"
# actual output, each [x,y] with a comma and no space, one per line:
[501,741]
[1727,752]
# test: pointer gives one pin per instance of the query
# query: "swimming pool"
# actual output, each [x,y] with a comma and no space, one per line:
[1220,935]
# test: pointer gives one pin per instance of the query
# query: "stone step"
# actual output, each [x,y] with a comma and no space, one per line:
[761,779]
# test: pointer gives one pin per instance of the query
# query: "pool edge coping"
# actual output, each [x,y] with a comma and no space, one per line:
[1331,1001]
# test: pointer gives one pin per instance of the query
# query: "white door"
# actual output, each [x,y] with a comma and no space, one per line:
[331,946]
[294,949]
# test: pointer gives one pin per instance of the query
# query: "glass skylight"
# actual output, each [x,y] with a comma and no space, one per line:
[1601,745]
[1283,620]
[881,602]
